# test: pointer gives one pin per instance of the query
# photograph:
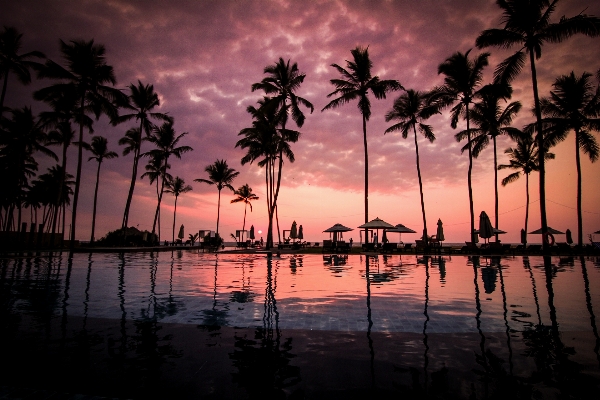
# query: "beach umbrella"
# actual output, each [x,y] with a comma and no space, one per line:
[300,233]
[337,228]
[550,230]
[440,230]
[486,230]
[401,229]
[523,236]
[294,231]
[251,236]
[384,237]
[180,236]
[569,236]
[377,224]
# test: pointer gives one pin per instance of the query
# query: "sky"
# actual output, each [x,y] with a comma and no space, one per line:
[202,58]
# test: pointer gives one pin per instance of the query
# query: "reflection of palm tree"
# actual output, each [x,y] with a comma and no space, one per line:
[523,158]
[573,105]
[355,84]
[176,186]
[411,109]
[425,337]
[99,149]
[588,302]
[482,357]
[370,321]
[462,77]
[221,175]
[244,194]
[527,25]
[504,305]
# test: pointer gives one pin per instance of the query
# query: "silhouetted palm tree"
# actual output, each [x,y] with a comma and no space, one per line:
[411,109]
[574,105]
[355,84]
[155,170]
[281,84]
[491,121]
[244,194]
[462,77]
[166,141]
[99,149]
[87,74]
[221,175]
[11,61]
[176,186]
[142,99]
[527,25]
[523,158]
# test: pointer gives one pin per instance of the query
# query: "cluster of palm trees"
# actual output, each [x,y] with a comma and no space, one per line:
[81,90]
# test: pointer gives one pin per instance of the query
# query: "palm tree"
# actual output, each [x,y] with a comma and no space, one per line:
[166,141]
[99,149]
[155,169]
[221,175]
[86,75]
[176,186]
[411,109]
[574,105]
[356,83]
[244,194]
[491,121]
[462,77]
[143,98]
[11,61]
[527,25]
[523,158]
[281,84]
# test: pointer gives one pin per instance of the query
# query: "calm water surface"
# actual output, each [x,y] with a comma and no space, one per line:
[299,326]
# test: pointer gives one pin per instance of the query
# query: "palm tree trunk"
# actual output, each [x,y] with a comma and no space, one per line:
[162,187]
[78,177]
[174,215]
[136,158]
[579,217]
[366,177]
[469,180]
[218,210]
[277,220]
[420,188]
[3,91]
[526,208]
[541,149]
[277,192]
[495,184]
[63,173]
[95,202]
[244,225]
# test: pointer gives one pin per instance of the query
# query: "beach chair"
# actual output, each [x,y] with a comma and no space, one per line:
[534,249]
[563,248]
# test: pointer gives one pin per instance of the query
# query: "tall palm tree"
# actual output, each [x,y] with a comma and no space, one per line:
[142,99]
[281,84]
[355,84]
[492,121]
[176,187]
[11,61]
[99,149]
[411,109]
[574,105]
[221,175]
[155,170]
[462,78]
[87,74]
[244,194]
[524,159]
[527,25]
[167,144]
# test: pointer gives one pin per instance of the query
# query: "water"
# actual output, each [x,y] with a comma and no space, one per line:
[185,324]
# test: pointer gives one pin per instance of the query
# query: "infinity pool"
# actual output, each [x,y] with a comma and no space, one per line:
[187,325]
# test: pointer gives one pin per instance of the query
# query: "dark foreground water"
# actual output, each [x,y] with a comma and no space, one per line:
[187,325]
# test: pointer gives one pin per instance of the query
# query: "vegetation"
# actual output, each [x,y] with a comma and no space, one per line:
[176,187]
[244,194]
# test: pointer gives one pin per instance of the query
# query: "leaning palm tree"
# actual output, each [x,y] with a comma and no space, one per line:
[142,99]
[166,141]
[99,149]
[221,175]
[523,158]
[574,105]
[11,61]
[155,170]
[176,187]
[281,84]
[411,109]
[492,121]
[356,83]
[87,74]
[527,25]
[244,194]
[462,78]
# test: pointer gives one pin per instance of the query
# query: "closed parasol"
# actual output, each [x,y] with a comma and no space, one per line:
[294,231]
[569,236]
[180,235]
[486,230]
[300,233]
[251,236]
[440,231]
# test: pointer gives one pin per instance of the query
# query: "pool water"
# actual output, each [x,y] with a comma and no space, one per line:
[184,324]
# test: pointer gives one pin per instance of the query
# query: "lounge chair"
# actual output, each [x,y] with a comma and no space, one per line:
[563,248]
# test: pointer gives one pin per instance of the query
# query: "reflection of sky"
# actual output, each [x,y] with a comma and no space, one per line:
[314,297]
[202,58]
